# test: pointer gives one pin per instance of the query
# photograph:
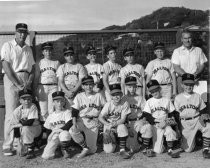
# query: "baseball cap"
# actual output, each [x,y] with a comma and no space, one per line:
[21,27]
[188,78]
[58,95]
[159,45]
[25,93]
[115,88]
[90,49]
[67,50]
[47,45]
[109,48]
[130,80]
[128,51]
[153,85]
[87,80]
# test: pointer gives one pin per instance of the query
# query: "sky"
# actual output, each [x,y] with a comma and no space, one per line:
[46,15]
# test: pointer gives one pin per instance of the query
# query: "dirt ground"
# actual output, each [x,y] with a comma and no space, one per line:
[102,160]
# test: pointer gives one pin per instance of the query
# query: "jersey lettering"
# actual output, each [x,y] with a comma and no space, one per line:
[57,123]
[133,72]
[90,105]
[94,73]
[116,71]
[48,68]
[188,106]
[71,73]
[160,68]
[158,109]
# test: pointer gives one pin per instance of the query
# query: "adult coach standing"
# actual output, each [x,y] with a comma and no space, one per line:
[188,58]
[18,68]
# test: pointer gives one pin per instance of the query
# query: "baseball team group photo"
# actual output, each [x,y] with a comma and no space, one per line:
[106,98]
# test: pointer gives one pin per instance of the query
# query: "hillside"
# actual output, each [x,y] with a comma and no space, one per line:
[166,17]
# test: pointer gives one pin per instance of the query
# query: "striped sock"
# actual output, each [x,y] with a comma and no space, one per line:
[146,142]
[170,144]
[83,144]
[122,143]
[206,142]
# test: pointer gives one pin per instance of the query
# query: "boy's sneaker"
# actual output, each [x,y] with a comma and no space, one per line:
[83,153]
[30,154]
[148,152]
[173,153]
[124,154]
[206,154]
[8,152]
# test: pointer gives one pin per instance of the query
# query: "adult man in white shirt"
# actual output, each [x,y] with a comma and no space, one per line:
[187,58]
[18,67]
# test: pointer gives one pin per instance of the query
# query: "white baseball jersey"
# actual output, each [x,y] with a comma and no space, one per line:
[159,108]
[26,114]
[160,70]
[135,70]
[114,112]
[95,70]
[71,73]
[137,104]
[113,70]
[19,58]
[48,70]
[189,105]
[58,119]
[189,60]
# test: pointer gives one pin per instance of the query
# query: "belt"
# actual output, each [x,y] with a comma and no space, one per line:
[139,86]
[165,84]
[47,83]
[190,118]
[23,71]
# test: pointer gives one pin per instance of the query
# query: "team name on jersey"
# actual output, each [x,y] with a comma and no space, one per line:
[94,73]
[48,68]
[158,109]
[57,123]
[71,73]
[117,71]
[133,72]
[160,68]
[188,106]
[90,105]
[133,106]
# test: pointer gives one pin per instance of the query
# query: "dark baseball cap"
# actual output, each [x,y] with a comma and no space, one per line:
[25,93]
[159,45]
[21,27]
[128,51]
[188,78]
[130,80]
[90,49]
[58,95]
[47,45]
[115,88]
[87,80]
[153,85]
[67,50]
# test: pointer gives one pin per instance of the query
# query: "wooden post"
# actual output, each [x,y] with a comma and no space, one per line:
[32,38]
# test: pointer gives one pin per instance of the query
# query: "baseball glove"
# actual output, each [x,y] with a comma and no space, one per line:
[171,121]
[203,119]
[109,137]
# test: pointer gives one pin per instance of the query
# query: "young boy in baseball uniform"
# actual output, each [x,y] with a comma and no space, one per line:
[46,81]
[70,74]
[161,69]
[160,108]
[191,109]
[94,69]
[25,123]
[59,123]
[136,123]
[111,70]
[113,117]
[89,104]
[132,69]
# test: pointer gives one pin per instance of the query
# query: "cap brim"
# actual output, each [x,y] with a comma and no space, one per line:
[116,91]
[159,47]
[188,81]
[153,88]
[67,52]
[88,82]
[128,53]
[131,83]
[21,30]
[26,95]
[58,97]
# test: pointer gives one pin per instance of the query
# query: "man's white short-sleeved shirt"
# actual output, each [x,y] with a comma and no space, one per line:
[19,58]
[189,60]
